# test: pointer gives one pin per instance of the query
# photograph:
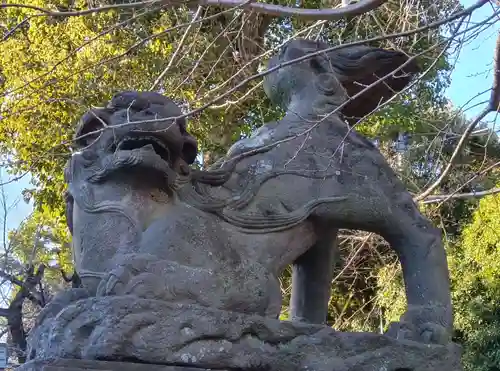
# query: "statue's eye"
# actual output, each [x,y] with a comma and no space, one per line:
[90,128]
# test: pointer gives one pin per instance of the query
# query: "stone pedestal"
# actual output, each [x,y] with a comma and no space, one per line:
[151,334]
[430,364]
[80,365]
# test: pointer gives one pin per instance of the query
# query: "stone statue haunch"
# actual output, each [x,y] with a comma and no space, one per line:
[356,68]
[180,266]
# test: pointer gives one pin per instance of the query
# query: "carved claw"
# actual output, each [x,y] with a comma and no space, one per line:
[147,286]
[429,333]
[117,281]
[114,282]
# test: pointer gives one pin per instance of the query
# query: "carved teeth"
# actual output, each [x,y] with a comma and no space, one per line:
[145,138]
[149,143]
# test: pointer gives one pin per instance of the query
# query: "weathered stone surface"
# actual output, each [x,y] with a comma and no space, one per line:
[60,364]
[153,331]
[181,266]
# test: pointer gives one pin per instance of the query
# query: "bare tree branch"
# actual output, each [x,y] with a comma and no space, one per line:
[477,175]
[439,198]
[11,278]
[492,107]
[15,28]
[454,156]
[14,313]
[494,102]
[15,324]
[50,13]
[351,10]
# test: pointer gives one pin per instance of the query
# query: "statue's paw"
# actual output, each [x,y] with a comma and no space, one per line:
[117,281]
[423,324]
[402,331]
[434,333]
[429,333]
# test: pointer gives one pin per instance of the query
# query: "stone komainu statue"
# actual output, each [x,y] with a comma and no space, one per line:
[181,267]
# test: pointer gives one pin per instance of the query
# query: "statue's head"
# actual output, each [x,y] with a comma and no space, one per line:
[139,132]
[129,158]
[353,67]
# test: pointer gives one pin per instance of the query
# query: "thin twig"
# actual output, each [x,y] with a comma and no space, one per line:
[492,107]
[454,156]
[439,198]
[179,47]
[494,102]
[15,28]
[477,175]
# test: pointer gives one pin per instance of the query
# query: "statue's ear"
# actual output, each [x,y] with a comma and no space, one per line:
[360,66]
[189,149]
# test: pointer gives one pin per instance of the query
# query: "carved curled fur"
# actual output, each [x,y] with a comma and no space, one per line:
[331,95]
[198,196]
[86,160]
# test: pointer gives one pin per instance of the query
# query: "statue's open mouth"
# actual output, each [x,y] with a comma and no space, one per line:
[140,151]
[136,142]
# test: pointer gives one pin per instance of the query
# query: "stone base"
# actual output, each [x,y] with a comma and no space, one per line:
[80,365]
[152,332]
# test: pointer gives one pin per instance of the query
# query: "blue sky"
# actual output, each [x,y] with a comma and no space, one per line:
[473,68]
[472,75]
[17,208]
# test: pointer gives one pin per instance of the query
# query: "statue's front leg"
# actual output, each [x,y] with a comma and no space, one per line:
[148,277]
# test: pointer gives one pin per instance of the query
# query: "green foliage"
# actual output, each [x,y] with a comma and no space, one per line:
[50,79]
[392,297]
[482,341]
[481,240]
[43,238]
[475,267]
